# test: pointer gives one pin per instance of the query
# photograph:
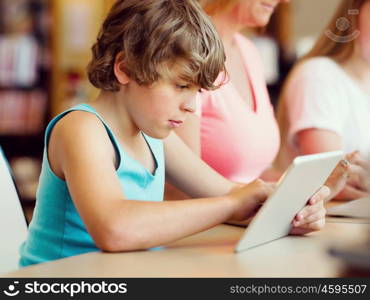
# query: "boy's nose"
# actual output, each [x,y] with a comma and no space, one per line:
[189,105]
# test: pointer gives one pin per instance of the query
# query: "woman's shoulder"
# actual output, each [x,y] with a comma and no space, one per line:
[316,82]
[316,71]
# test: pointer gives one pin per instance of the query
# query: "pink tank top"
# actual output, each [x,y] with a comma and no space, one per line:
[238,141]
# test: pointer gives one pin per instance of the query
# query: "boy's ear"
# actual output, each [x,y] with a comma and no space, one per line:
[119,69]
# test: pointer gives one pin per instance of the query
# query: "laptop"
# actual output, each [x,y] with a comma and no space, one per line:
[302,179]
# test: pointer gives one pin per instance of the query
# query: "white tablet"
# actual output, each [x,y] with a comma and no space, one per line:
[301,180]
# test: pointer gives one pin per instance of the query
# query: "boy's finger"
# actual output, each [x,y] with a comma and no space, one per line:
[321,195]
[317,216]
[313,226]
[299,231]
[309,210]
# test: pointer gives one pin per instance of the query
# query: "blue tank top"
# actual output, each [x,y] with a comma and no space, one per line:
[57,230]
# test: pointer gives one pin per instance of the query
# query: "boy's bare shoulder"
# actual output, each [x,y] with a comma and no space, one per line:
[79,136]
[80,128]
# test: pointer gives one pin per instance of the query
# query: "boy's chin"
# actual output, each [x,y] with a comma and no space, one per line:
[158,134]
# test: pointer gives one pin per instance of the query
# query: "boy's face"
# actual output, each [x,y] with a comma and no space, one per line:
[162,107]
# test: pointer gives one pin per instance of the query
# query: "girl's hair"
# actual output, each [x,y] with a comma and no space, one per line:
[152,37]
[337,43]
[214,6]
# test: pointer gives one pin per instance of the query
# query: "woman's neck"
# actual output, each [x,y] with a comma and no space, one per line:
[227,28]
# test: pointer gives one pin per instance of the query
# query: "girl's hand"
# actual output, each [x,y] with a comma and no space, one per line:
[338,178]
[350,179]
[247,199]
[359,173]
[312,216]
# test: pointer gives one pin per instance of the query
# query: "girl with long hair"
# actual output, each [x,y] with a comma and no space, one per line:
[325,103]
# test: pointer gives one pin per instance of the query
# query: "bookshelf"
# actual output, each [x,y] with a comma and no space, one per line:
[25,72]
[44,49]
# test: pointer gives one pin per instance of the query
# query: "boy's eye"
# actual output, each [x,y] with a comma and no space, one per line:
[182,86]
[187,87]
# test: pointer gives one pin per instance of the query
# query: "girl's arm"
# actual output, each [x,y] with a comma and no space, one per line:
[315,140]
[312,141]
[81,153]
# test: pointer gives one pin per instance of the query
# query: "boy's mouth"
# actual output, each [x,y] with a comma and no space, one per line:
[175,123]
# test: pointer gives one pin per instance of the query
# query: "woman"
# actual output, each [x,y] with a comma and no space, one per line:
[325,104]
[237,134]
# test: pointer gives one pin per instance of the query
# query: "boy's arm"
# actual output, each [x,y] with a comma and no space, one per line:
[196,178]
[84,154]
[187,172]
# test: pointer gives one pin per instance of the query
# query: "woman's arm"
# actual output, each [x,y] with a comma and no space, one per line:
[81,149]
[190,133]
[271,174]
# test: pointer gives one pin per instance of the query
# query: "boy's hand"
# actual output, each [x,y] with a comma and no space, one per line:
[312,216]
[247,199]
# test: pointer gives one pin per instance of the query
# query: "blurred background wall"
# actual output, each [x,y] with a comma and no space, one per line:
[309,18]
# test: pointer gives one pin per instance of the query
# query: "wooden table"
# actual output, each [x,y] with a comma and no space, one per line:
[210,254]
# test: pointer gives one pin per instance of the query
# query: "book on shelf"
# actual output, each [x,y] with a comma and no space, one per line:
[18,61]
[22,112]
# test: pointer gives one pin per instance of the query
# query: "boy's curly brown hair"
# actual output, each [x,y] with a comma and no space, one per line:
[151,36]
